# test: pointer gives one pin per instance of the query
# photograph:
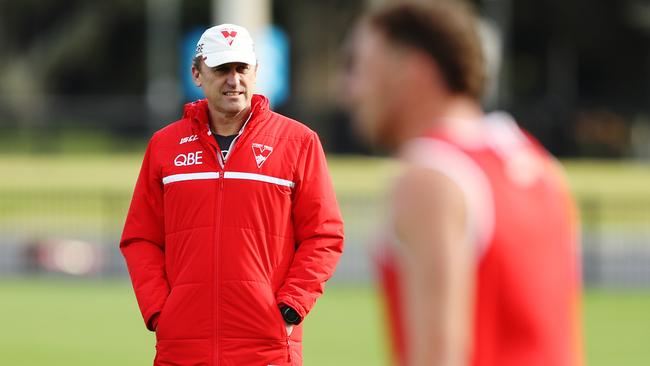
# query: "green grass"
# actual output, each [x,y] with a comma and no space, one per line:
[71,323]
[617,327]
[609,178]
[70,172]
[359,175]
[47,322]
[82,183]
[97,323]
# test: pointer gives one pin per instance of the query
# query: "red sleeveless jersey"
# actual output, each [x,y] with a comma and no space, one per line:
[523,223]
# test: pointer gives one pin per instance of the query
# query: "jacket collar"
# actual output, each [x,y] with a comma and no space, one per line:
[197,113]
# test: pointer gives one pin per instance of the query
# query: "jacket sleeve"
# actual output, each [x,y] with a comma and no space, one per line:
[318,230]
[142,243]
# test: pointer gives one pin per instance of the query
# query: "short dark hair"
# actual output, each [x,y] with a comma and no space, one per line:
[444,30]
[196,62]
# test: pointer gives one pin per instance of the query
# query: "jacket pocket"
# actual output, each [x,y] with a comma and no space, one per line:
[283,328]
[284,332]
[248,310]
[186,314]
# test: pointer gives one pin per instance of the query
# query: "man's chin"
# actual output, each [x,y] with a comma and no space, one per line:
[233,108]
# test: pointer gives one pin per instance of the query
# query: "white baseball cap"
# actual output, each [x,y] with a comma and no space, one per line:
[226,43]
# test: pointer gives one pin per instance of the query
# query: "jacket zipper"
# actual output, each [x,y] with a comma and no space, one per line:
[217,249]
[217,258]
[288,349]
[218,231]
[284,332]
[221,180]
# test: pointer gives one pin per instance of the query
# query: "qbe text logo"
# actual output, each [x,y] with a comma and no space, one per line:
[192,158]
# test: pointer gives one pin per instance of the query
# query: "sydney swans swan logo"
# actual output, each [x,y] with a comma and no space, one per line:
[261,153]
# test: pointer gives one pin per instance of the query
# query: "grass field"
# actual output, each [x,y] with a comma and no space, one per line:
[359,175]
[74,323]
[93,191]
[87,182]
[97,323]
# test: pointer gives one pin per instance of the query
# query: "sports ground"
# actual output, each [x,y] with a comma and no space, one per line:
[95,322]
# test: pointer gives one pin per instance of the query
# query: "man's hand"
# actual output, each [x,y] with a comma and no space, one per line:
[291,318]
[154,321]
[289,328]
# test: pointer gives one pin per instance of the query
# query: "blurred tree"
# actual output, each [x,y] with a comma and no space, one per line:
[85,62]
[72,47]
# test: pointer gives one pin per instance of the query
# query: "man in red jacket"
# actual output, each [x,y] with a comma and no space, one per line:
[481,266]
[234,228]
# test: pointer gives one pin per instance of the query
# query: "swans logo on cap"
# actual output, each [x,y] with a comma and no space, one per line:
[229,35]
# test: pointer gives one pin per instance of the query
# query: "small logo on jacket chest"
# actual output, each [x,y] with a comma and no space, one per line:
[188,139]
[261,153]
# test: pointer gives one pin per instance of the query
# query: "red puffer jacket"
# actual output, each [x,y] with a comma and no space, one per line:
[214,247]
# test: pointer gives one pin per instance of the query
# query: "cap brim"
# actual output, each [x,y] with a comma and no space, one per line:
[219,58]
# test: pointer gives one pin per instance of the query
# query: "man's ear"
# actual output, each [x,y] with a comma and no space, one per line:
[195,76]
[425,69]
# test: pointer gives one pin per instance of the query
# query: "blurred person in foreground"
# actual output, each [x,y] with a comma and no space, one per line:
[482,266]
[233,228]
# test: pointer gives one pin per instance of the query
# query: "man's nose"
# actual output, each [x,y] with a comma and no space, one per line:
[233,78]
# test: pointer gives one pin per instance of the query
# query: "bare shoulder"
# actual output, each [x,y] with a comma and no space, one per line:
[425,199]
